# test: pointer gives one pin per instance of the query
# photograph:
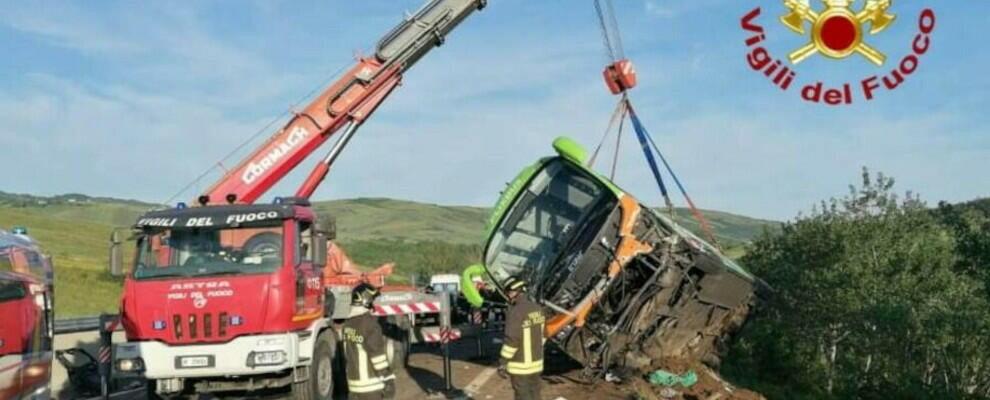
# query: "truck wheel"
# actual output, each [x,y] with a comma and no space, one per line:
[150,393]
[319,386]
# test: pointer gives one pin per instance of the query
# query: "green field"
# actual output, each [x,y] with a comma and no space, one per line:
[420,238]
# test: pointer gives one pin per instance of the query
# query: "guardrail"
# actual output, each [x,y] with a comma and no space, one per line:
[74,325]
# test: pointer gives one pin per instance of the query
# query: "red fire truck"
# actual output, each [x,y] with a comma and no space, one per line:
[229,295]
[26,318]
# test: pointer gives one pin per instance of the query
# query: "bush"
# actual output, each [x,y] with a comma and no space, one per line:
[870,303]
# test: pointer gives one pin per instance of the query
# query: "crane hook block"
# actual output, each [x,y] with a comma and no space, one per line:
[620,76]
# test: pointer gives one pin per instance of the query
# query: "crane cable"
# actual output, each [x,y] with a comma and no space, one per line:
[608,130]
[610,30]
[618,142]
[619,115]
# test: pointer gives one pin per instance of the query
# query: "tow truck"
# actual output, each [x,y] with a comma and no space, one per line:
[27,329]
[228,295]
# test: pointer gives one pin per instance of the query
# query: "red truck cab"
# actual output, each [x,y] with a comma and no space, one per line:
[225,297]
[26,329]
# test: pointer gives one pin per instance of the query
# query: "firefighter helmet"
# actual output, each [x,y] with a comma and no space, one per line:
[363,295]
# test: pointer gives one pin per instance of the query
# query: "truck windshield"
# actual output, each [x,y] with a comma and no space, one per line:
[25,261]
[207,252]
[543,219]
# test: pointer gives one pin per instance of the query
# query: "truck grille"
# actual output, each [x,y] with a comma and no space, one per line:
[199,326]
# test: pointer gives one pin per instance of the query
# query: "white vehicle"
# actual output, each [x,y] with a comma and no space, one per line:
[445,283]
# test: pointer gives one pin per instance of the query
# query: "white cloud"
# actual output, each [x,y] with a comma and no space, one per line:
[67,26]
[65,137]
[654,8]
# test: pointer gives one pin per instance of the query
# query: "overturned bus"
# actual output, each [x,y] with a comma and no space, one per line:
[623,286]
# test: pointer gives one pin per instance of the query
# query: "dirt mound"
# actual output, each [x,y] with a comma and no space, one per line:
[709,386]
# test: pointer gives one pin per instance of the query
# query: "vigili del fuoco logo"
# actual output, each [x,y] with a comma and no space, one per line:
[837,31]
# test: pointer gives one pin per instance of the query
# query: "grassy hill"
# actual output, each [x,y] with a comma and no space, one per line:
[364,218]
[420,238]
[79,250]
[376,219]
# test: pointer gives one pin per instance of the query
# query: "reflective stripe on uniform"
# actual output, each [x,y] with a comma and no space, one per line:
[527,346]
[371,384]
[521,368]
[363,364]
[379,362]
[508,351]
[365,386]
[365,383]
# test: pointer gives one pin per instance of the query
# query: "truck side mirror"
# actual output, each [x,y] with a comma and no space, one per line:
[116,255]
[320,249]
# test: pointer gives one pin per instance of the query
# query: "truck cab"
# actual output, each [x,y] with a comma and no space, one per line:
[225,297]
[27,328]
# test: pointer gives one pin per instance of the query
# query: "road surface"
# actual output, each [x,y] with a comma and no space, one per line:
[473,377]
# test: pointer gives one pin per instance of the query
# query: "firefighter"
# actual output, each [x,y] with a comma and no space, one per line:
[369,375]
[521,359]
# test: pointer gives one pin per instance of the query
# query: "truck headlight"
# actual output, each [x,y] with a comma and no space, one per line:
[257,358]
[130,364]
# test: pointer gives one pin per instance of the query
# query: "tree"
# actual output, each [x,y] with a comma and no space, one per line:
[868,304]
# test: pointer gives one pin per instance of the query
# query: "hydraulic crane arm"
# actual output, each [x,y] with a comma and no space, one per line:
[348,102]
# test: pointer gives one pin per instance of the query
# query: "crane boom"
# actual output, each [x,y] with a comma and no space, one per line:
[348,102]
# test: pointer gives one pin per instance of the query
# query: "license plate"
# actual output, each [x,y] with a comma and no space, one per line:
[194,361]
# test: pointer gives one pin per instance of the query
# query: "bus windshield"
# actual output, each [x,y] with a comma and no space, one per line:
[195,252]
[543,219]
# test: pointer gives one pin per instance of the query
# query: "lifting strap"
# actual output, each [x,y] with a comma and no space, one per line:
[643,133]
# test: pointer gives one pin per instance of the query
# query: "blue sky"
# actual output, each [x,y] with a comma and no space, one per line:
[135,99]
